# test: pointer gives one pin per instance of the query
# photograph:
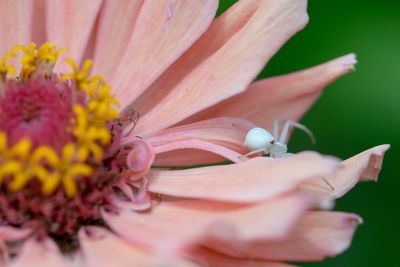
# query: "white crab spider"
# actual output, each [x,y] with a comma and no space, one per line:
[274,145]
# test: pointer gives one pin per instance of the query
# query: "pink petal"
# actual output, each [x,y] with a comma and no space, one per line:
[116,24]
[224,152]
[15,24]
[100,248]
[43,253]
[318,235]
[229,70]
[39,21]
[287,97]
[8,233]
[229,130]
[222,29]
[253,180]
[186,157]
[141,157]
[212,259]
[173,226]
[69,24]
[225,133]
[364,166]
[163,31]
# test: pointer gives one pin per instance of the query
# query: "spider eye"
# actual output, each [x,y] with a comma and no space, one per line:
[258,138]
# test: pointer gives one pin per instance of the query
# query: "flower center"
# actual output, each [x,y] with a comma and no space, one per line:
[39,110]
[59,153]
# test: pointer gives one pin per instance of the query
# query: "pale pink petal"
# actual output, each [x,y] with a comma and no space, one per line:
[100,248]
[316,236]
[129,204]
[253,180]
[229,130]
[8,233]
[364,166]
[226,132]
[229,70]
[15,24]
[39,21]
[176,225]
[191,157]
[140,157]
[287,96]
[138,199]
[43,253]
[224,152]
[164,30]
[220,31]
[69,24]
[210,258]
[116,24]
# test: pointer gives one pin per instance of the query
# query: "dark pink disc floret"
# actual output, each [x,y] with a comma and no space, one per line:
[37,109]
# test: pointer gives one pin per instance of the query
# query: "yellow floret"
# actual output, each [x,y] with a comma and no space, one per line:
[91,120]
[47,56]
[6,68]
[64,171]
[40,60]
[28,60]
[44,164]
[81,77]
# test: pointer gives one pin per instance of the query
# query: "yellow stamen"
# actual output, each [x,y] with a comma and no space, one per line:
[47,56]
[65,170]
[40,60]
[6,68]
[28,60]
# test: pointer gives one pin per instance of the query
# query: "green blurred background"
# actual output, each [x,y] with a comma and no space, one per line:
[356,112]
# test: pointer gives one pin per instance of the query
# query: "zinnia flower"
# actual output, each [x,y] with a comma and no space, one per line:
[86,181]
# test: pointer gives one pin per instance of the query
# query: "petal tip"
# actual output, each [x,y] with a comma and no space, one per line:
[374,167]
[347,63]
[354,220]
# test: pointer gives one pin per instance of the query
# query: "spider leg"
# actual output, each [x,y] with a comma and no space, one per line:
[254,152]
[275,131]
[290,123]
[282,155]
[328,183]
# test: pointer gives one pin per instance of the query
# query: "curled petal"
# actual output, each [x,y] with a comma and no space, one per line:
[364,166]
[177,225]
[225,135]
[253,180]
[138,201]
[8,233]
[316,236]
[204,146]
[143,205]
[141,157]
[228,130]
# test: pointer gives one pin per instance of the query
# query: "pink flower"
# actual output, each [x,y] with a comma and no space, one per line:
[80,186]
